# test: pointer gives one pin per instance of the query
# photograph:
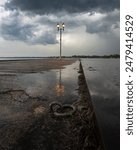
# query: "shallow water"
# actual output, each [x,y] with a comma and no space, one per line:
[103,79]
[53,85]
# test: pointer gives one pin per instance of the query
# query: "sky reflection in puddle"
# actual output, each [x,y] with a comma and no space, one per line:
[52,84]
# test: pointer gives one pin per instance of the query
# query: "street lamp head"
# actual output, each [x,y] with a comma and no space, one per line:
[58,26]
[63,26]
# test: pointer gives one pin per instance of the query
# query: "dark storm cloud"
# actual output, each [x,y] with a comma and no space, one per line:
[71,6]
[12,28]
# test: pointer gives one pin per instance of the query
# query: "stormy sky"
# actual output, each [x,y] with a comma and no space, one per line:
[28,27]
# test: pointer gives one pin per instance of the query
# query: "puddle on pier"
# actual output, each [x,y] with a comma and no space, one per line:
[52,85]
[23,90]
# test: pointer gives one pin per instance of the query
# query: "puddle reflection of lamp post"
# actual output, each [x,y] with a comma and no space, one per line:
[59,86]
[60,27]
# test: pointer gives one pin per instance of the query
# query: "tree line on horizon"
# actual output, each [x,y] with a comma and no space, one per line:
[97,56]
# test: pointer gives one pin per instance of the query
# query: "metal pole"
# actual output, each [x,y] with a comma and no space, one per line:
[60,42]
[60,27]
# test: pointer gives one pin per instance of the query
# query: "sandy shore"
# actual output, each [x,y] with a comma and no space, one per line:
[35,65]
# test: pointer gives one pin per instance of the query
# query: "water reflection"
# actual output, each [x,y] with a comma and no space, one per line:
[104,89]
[59,86]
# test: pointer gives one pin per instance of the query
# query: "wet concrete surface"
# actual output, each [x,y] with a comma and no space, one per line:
[27,121]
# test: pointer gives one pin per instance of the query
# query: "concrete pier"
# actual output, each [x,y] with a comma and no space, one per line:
[29,121]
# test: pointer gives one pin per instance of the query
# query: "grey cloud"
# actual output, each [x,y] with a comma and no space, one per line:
[71,21]
[106,24]
[12,28]
[71,6]
[16,32]
[45,38]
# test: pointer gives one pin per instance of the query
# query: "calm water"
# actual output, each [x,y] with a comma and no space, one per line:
[103,78]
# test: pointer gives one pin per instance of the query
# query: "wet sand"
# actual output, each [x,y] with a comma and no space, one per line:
[31,122]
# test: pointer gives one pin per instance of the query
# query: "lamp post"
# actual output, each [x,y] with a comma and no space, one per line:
[60,27]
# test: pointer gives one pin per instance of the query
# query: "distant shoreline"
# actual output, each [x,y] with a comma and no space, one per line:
[97,56]
[74,56]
